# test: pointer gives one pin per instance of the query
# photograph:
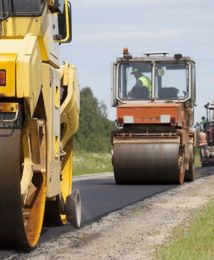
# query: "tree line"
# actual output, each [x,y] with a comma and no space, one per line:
[94,127]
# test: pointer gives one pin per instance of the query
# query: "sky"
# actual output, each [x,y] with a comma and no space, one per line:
[101,29]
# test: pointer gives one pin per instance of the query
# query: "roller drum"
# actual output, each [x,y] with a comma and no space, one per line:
[20,220]
[10,200]
[139,163]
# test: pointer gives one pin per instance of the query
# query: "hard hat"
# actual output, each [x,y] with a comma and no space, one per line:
[135,70]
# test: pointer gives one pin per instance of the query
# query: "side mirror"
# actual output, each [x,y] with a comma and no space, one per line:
[64,23]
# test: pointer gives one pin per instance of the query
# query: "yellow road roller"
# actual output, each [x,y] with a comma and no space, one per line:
[39,114]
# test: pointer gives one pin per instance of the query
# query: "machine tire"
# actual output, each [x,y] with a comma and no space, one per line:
[190,173]
[73,209]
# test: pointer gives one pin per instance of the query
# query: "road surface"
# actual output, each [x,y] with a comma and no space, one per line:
[101,196]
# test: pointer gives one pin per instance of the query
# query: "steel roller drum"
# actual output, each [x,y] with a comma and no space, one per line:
[146,162]
[19,224]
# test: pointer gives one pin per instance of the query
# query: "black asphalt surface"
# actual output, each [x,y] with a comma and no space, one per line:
[100,196]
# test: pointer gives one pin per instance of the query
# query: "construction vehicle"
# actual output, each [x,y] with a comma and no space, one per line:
[207,152]
[154,141]
[39,114]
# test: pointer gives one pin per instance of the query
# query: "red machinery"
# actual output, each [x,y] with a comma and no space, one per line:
[154,142]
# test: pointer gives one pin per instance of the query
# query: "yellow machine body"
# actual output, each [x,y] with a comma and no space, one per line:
[39,114]
[7,63]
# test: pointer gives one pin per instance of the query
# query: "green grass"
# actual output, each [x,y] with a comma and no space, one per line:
[86,163]
[197,159]
[193,242]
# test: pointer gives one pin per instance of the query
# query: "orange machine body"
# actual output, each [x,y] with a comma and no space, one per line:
[151,113]
[154,96]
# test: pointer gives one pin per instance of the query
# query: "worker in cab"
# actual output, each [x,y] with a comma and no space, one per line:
[204,152]
[142,80]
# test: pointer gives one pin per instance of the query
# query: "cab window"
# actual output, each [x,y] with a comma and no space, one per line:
[21,7]
[135,81]
[171,81]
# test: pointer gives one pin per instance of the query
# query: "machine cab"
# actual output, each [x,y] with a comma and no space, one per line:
[26,14]
[153,77]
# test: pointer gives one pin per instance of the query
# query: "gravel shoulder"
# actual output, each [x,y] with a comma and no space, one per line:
[133,232]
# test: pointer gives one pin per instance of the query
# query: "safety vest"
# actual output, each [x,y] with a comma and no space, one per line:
[146,82]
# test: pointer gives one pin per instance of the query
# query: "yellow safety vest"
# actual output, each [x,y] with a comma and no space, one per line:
[146,82]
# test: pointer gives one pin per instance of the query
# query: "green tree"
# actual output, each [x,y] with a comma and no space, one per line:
[94,128]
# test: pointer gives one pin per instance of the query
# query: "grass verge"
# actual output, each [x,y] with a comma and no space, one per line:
[197,158]
[193,242]
[86,163]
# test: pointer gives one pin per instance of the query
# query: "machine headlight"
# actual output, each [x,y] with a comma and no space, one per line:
[2,77]
[165,118]
[128,119]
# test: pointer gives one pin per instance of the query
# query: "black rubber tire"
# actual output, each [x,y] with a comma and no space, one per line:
[190,173]
[73,209]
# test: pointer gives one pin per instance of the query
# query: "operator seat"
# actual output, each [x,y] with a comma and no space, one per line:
[168,93]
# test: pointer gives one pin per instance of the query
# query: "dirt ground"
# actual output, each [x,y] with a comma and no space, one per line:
[134,232]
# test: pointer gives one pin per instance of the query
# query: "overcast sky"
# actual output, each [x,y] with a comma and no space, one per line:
[102,28]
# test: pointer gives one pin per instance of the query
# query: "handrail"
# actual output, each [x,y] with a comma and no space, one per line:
[66,23]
